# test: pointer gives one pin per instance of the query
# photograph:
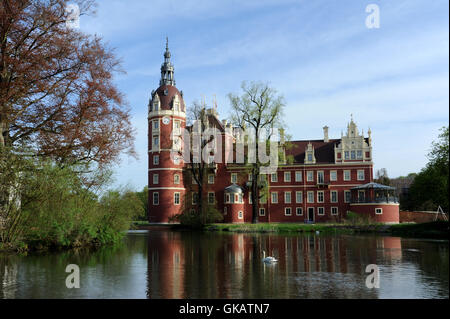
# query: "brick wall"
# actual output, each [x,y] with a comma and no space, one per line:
[418,217]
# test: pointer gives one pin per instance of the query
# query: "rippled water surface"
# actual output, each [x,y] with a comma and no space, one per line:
[167,264]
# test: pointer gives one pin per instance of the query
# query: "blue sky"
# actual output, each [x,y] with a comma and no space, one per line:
[319,54]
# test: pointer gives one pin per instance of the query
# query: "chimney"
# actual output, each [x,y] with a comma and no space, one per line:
[325,134]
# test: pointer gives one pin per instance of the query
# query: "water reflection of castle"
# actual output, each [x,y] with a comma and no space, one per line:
[179,267]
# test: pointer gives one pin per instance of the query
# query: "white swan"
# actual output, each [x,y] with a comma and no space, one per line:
[268,259]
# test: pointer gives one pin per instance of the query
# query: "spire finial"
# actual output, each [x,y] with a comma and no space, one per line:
[167,69]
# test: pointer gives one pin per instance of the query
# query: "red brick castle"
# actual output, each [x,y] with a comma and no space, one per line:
[326,179]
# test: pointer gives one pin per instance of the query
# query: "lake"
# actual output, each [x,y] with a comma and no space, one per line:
[172,264]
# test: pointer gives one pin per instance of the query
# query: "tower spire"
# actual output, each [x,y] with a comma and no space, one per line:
[167,68]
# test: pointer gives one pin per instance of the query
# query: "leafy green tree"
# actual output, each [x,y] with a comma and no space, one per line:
[430,187]
[258,110]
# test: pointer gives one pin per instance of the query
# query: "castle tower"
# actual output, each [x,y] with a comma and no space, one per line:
[166,121]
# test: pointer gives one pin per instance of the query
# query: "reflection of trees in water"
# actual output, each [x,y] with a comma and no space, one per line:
[8,277]
[431,258]
[42,275]
[229,265]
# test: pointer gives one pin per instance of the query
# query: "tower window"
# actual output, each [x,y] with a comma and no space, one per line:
[155,178]
[155,198]
[176,179]
[211,198]
[176,198]
[155,142]
[155,159]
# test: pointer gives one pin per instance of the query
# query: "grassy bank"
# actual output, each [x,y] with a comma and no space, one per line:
[430,230]
[292,228]
[438,229]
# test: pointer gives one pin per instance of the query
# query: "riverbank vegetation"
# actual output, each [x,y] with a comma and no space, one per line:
[63,124]
[55,209]
[428,189]
[439,229]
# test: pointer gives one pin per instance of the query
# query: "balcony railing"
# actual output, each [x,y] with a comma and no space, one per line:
[379,199]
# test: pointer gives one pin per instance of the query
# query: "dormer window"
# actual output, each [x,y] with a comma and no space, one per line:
[155,103]
[310,158]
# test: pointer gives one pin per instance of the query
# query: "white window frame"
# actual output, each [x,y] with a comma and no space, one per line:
[155,179]
[310,176]
[272,179]
[209,179]
[363,177]
[297,195]
[285,211]
[359,154]
[331,196]
[176,179]
[286,199]
[323,176]
[308,197]
[298,174]
[335,176]
[262,211]
[318,196]
[155,125]
[227,198]
[155,145]
[213,197]
[380,210]
[276,197]
[175,198]
[337,211]
[157,198]
[297,210]
[349,175]
[233,178]
[240,215]
[318,211]
[345,196]
[155,159]
[287,177]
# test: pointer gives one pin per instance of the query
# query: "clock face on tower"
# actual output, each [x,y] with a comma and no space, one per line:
[166,120]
